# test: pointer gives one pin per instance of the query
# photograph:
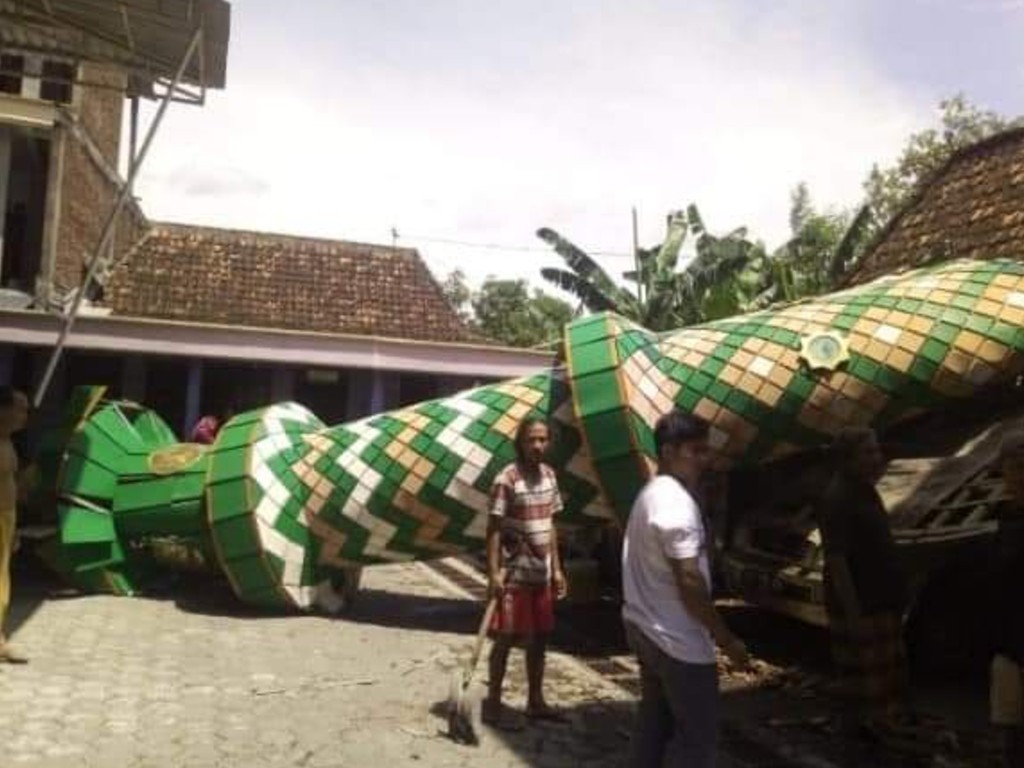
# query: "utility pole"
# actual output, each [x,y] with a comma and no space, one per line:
[636,260]
[394,237]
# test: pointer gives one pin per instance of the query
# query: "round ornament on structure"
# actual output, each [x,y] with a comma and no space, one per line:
[824,351]
[172,459]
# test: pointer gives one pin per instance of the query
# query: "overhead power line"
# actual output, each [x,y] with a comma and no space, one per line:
[497,246]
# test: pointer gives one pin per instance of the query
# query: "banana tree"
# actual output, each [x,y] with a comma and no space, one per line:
[812,262]
[664,297]
[824,248]
[586,279]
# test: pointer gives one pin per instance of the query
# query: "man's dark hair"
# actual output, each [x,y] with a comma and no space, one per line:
[847,442]
[7,393]
[524,427]
[677,427]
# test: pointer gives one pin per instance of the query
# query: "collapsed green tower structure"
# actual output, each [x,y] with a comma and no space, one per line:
[285,506]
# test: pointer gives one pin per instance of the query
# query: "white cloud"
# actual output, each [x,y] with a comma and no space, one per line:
[566,121]
[212,181]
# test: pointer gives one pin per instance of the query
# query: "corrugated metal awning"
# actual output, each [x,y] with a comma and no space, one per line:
[148,38]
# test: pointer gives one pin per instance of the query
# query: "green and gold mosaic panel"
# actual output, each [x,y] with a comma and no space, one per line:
[284,506]
[106,491]
[293,504]
[913,341]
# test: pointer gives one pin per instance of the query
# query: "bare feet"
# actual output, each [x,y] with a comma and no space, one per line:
[10,656]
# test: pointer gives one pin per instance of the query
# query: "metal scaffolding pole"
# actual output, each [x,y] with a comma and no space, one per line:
[108,227]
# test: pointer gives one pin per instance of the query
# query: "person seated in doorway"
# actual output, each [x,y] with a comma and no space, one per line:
[206,429]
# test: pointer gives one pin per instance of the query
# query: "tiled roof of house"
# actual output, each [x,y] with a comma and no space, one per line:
[206,275]
[971,207]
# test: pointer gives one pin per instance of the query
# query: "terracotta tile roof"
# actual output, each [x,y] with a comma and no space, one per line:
[971,207]
[256,279]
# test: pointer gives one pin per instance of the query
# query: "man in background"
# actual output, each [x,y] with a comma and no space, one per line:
[13,417]
[1007,683]
[865,587]
[671,621]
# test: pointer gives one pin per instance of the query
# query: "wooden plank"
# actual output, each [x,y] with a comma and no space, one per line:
[941,481]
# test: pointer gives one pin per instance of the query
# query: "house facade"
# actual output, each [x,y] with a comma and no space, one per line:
[184,318]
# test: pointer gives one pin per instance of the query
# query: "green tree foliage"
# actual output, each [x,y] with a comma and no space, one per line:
[664,296]
[458,293]
[585,278]
[723,275]
[730,274]
[960,124]
[552,313]
[822,247]
[506,311]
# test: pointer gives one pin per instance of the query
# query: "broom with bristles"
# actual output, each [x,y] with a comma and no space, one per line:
[463,706]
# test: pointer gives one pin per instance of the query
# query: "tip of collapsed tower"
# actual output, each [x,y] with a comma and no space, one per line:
[175,47]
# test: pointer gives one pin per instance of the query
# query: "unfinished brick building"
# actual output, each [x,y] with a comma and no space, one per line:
[186,318]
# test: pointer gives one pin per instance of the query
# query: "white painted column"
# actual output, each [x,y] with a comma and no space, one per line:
[51,219]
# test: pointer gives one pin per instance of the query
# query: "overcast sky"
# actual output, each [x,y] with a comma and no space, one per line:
[482,120]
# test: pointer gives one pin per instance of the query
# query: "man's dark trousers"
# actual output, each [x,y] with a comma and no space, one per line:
[677,720]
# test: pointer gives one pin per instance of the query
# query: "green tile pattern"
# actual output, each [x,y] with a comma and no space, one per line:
[284,505]
[100,456]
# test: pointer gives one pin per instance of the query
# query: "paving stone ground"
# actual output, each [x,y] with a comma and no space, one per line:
[193,679]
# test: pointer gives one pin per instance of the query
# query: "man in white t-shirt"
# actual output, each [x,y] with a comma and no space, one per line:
[671,621]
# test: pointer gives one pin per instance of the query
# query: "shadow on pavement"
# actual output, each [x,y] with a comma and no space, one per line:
[415,612]
[32,584]
[597,735]
[213,597]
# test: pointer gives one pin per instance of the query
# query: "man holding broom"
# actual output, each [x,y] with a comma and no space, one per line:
[525,571]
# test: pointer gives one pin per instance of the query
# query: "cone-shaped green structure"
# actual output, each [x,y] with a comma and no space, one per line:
[283,505]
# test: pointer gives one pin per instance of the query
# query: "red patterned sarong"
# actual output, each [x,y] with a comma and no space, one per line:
[524,611]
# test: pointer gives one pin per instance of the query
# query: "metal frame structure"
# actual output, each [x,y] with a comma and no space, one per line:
[172,50]
[107,233]
[146,38]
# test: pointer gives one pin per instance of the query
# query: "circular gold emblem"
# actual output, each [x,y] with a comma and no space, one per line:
[175,458]
[824,351]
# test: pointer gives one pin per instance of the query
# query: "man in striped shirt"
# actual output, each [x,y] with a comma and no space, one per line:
[524,569]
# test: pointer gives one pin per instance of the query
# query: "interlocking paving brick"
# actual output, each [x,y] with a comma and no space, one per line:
[213,687]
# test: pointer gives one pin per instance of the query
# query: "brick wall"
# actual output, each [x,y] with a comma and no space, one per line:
[87,191]
[101,109]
